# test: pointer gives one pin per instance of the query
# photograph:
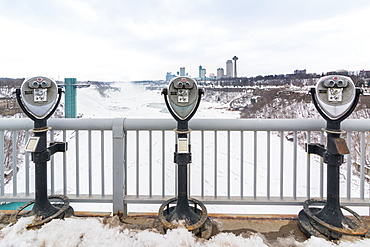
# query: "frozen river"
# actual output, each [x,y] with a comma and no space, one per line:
[135,102]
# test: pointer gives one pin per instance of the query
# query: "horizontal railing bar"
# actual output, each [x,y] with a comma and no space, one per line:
[59,123]
[16,124]
[81,123]
[256,124]
[22,197]
[356,125]
[195,124]
[158,199]
[235,200]
[245,124]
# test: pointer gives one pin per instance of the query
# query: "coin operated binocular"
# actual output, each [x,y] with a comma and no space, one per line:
[39,97]
[182,98]
[335,97]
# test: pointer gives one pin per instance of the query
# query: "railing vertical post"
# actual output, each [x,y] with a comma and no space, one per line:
[281,164]
[241,164]
[308,182]
[295,144]
[137,163]
[65,185]
[102,159]
[150,164]
[202,165]
[189,172]
[228,166]
[27,168]
[89,161]
[215,165]
[321,168]
[255,165]
[349,165]
[362,165]
[52,166]
[163,163]
[268,148]
[125,141]
[2,168]
[77,133]
[118,163]
[14,155]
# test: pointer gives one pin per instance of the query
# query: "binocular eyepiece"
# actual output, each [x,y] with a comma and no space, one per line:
[336,82]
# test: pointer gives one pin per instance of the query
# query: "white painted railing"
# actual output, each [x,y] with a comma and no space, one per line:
[234,161]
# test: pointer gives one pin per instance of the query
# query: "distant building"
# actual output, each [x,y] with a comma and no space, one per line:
[235,58]
[338,72]
[220,73]
[202,72]
[182,71]
[169,76]
[364,73]
[229,68]
[297,71]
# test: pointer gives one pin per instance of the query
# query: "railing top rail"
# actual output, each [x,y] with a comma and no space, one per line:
[245,124]
[195,124]
[61,123]
[15,123]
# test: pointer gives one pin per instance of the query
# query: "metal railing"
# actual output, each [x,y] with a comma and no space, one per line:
[234,161]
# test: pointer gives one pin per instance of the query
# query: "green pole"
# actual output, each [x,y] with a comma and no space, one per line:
[70,98]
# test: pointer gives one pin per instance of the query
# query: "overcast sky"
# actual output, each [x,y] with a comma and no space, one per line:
[120,40]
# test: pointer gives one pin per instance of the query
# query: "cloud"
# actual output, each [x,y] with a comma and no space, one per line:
[123,39]
[81,9]
[329,43]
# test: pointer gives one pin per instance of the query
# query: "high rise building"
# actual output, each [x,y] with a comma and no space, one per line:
[169,76]
[220,73]
[229,68]
[235,58]
[182,71]
[202,72]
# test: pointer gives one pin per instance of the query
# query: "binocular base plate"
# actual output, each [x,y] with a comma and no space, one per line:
[311,225]
[58,211]
[202,228]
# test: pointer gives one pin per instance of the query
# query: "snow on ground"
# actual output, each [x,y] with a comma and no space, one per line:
[72,232]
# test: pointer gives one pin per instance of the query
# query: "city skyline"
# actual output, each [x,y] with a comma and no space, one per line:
[230,68]
[123,40]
